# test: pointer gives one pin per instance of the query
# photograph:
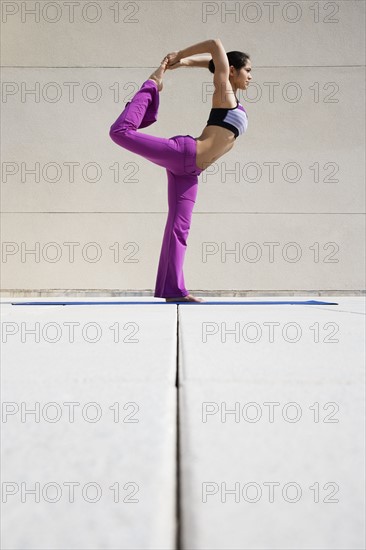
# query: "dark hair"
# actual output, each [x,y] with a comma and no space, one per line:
[237,59]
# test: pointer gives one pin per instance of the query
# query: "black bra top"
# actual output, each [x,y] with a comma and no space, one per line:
[235,119]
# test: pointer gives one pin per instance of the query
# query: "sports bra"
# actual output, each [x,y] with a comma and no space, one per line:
[235,119]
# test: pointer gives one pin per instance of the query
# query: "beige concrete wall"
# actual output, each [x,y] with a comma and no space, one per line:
[79,212]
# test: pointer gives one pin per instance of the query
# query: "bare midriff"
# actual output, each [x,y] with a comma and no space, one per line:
[212,144]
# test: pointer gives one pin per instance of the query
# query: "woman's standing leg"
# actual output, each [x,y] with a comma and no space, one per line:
[182,192]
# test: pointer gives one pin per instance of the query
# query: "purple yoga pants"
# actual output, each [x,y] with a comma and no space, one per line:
[177,155]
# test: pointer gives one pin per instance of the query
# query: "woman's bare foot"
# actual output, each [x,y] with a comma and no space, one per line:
[188,298]
[157,75]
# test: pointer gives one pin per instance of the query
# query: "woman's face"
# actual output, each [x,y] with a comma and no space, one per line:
[243,76]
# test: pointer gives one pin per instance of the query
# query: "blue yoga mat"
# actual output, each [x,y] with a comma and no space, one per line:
[307,303]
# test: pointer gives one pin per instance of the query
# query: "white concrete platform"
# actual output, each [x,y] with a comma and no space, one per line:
[126,343]
[107,417]
[272,426]
[275,437]
[247,343]
[271,412]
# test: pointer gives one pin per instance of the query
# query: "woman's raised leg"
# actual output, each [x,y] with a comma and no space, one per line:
[139,112]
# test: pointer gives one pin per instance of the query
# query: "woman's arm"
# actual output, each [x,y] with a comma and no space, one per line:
[208,46]
[202,47]
[199,61]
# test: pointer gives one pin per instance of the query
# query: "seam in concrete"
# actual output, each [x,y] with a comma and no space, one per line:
[177,461]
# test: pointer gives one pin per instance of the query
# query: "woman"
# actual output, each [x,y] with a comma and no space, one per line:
[183,156]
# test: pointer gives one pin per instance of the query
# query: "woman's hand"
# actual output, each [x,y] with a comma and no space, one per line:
[173,59]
